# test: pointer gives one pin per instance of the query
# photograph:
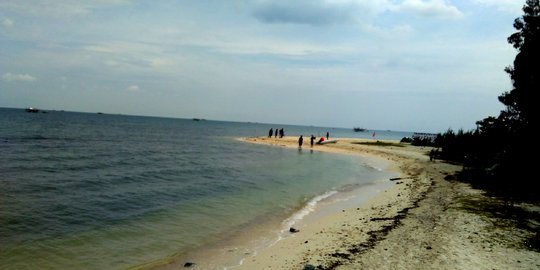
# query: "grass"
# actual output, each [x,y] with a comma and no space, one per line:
[379,143]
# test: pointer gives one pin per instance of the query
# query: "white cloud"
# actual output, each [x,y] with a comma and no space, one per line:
[10,77]
[6,22]
[58,8]
[133,88]
[366,7]
[394,32]
[511,6]
[431,8]
[125,48]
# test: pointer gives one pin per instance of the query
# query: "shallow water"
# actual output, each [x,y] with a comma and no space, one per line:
[96,191]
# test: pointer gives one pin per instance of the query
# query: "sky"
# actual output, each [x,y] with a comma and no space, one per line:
[407,65]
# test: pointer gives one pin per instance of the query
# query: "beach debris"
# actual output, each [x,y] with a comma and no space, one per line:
[342,255]
[400,178]
[293,230]
[309,267]
[189,264]
[382,218]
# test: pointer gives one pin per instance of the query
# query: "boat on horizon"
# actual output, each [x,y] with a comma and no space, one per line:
[359,129]
[32,110]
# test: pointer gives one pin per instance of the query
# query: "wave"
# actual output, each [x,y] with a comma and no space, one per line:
[308,208]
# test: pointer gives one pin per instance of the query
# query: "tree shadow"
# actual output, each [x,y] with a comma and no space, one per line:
[507,217]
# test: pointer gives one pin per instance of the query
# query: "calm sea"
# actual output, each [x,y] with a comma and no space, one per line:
[100,191]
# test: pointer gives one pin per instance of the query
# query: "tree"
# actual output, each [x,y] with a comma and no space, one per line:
[513,128]
[497,151]
[520,101]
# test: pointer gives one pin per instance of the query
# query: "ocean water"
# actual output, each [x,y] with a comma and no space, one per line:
[100,191]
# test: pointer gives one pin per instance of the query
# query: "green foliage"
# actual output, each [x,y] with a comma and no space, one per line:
[417,141]
[526,70]
[496,153]
[406,140]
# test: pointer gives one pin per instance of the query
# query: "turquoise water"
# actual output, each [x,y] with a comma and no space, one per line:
[96,191]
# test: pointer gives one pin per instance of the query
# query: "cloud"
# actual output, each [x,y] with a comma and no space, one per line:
[510,6]
[329,12]
[58,8]
[319,12]
[6,22]
[133,88]
[392,32]
[431,8]
[302,12]
[10,77]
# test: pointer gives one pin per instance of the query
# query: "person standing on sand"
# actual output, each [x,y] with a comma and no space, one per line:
[276,133]
[270,132]
[327,135]
[312,139]
[281,133]
[300,142]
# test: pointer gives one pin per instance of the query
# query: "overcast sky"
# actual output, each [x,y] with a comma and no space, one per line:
[411,65]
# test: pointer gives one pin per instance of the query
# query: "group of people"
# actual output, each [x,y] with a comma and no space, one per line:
[312,140]
[281,133]
[271,133]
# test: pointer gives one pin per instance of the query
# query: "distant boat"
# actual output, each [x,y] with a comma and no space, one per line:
[358,129]
[32,110]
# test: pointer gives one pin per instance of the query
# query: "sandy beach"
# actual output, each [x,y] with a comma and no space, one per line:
[425,220]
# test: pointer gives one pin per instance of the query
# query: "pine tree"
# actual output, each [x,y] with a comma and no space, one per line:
[514,158]
[525,73]
[506,141]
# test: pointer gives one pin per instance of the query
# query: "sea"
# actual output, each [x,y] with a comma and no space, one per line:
[106,191]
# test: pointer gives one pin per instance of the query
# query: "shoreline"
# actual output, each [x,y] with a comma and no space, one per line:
[425,221]
[232,251]
[422,221]
[326,242]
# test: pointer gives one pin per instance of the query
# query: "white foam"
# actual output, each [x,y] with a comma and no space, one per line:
[313,205]
[308,208]
[372,165]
